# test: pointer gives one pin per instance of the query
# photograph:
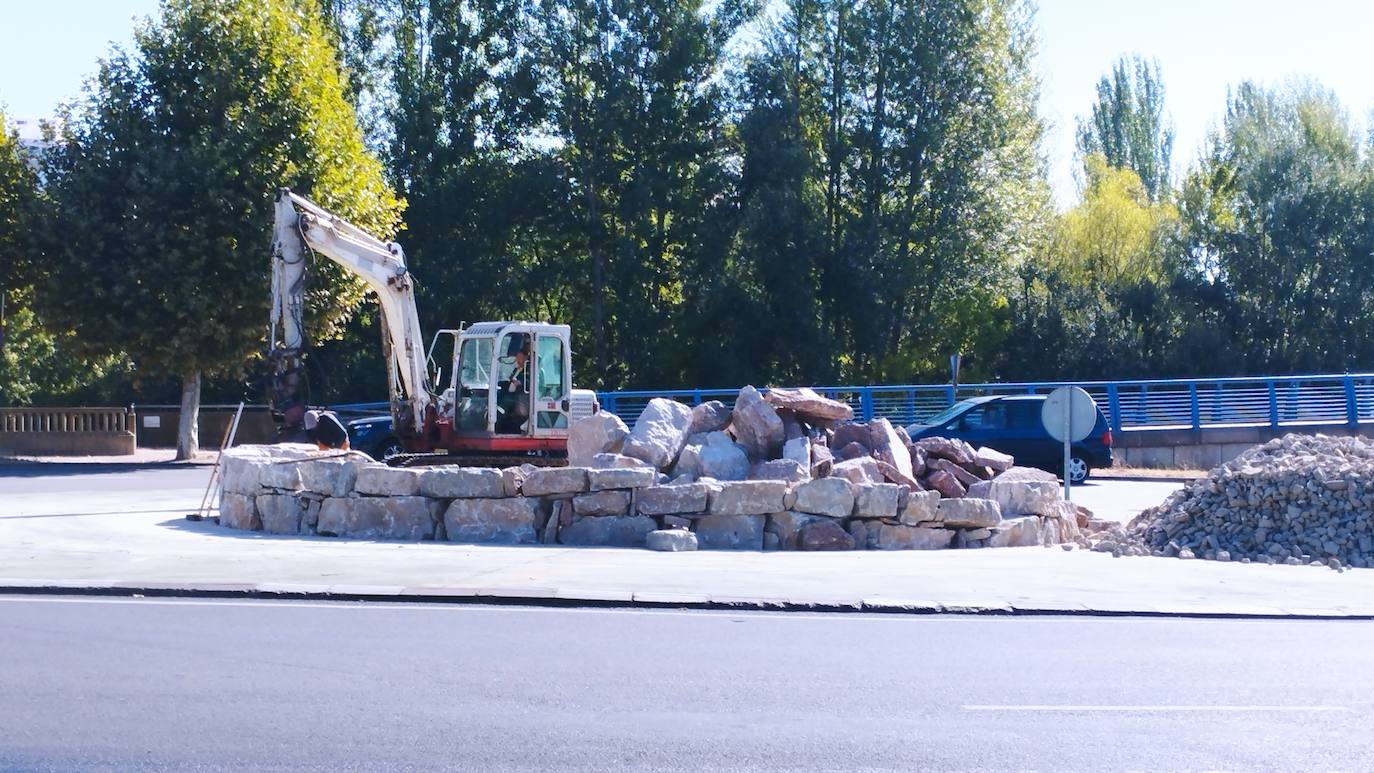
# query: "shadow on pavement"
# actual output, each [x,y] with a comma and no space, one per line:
[19,468]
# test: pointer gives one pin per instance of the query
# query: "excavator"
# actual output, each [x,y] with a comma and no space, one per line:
[506,397]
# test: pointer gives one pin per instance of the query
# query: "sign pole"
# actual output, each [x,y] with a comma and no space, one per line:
[1067,419]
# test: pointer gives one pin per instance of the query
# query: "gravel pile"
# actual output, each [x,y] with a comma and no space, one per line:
[1299,499]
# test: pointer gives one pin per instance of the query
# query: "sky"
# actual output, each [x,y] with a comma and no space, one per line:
[48,47]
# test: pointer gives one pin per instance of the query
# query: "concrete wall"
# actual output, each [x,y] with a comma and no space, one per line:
[1208,447]
[157,428]
[67,443]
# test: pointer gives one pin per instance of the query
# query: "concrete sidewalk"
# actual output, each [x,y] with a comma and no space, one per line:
[129,537]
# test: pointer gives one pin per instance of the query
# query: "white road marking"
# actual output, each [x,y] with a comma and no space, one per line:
[1159,708]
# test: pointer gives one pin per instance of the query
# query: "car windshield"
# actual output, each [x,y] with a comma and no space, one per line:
[950,412]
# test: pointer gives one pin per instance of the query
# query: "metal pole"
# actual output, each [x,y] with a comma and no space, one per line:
[1068,416]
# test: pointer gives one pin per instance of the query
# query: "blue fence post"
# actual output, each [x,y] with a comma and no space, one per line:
[1114,407]
[866,403]
[608,402]
[949,394]
[696,397]
[910,406]
[1352,404]
[1273,404]
[1192,406]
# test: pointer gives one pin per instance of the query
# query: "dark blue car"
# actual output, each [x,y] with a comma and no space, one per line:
[1011,424]
[373,436]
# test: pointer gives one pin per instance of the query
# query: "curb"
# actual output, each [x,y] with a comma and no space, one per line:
[613,599]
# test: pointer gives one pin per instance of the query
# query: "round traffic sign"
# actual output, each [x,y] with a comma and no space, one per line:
[1071,411]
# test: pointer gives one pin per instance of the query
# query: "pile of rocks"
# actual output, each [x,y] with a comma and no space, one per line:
[785,434]
[1299,499]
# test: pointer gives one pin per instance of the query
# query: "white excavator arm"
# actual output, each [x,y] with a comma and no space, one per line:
[301,226]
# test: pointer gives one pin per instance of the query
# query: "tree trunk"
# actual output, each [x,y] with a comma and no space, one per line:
[188,438]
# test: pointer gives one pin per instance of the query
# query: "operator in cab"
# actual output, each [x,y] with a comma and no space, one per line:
[514,400]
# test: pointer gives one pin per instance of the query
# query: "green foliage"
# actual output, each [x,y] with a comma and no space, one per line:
[1115,235]
[161,185]
[1279,215]
[1128,125]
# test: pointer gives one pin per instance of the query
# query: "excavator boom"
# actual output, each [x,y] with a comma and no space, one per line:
[301,227]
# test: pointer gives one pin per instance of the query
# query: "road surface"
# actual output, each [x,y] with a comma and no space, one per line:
[212,685]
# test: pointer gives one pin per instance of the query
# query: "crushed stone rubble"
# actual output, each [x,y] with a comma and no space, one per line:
[1296,500]
[785,469]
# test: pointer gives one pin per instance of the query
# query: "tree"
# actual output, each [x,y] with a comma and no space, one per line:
[162,183]
[634,95]
[1279,215]
[917,133]
[1128,126]
[1098,303]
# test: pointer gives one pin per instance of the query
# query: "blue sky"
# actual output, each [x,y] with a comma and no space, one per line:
[47,47]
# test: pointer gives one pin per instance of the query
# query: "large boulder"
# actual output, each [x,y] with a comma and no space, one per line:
[825,535]
[863,469]
[798,449]
[757,426]
[730,532]
[894,537]
[394,517]
[509,521]
[945,483]
[286,514]
[671,540]
[721,458]
[621,478]
[678,499]
[993,459]
[1027,473]
[462,483]
[600,433]
[876,500]
[333,477]
[921,507]
[1016,532]
[239,511]
[809,405]
[833,497]
[960,474]
[969,513]
[945,448]
[382,481]
[616,461]
[750,497]
[787,526]
[1032,497]
[710,416]
[611,530]
[659,433]
[852,432]
[241,466]
[891,475]
[554,481]
[889,447]
[602,503]
[779,469]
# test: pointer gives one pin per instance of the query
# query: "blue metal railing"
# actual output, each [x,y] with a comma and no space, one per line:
[1130,406]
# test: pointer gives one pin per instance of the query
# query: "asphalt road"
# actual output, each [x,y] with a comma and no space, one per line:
[210,685]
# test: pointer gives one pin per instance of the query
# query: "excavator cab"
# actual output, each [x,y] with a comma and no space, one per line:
[510,387]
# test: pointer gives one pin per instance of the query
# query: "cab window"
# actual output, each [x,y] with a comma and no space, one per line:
[475,361]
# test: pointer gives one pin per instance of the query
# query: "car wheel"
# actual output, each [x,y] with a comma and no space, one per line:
[1079,469]
[388,448]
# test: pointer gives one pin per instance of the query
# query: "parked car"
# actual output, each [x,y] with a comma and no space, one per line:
[1011,424]
[373,436]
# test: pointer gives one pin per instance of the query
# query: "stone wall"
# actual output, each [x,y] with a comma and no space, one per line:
[295,489]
